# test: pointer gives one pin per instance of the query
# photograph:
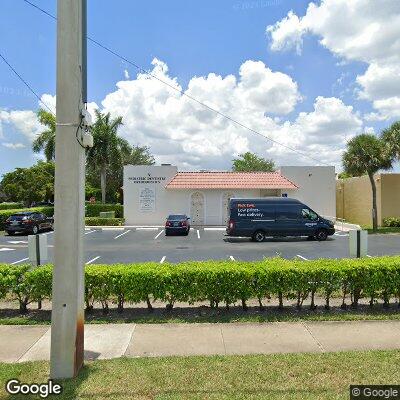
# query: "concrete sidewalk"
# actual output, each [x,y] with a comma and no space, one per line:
[103,341]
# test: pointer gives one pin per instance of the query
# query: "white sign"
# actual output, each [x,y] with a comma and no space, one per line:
[147,199]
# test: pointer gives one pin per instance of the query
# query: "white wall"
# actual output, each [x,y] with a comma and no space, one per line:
[317,187]
[156,177]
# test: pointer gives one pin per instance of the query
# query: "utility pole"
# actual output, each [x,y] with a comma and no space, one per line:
[67,325]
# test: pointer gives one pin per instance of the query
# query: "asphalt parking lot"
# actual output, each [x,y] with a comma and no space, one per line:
[150,244]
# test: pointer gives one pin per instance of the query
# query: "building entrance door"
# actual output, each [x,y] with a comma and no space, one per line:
[197,208]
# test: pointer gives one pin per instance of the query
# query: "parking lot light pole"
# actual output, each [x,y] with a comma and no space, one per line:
[68,277]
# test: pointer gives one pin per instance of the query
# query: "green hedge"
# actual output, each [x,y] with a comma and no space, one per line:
[11,206]
[391,221]
[217,282]
[93,210]
[4,214]
[96,221]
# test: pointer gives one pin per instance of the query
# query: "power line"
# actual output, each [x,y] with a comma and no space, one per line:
[183,93]
[25,83]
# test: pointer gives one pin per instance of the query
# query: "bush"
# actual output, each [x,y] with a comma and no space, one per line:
[93,210]
[11,206]
[217,282]
[96,221]
[391,221]
[4,214]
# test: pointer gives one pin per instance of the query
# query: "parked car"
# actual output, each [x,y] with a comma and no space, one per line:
[28,222]
[177,223]
[276,217]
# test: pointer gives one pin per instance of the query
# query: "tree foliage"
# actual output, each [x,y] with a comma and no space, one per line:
[391,137]
[248,162]
[31,184]
[46,141]
[367,154]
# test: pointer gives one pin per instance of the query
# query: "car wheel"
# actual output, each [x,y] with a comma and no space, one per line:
[35,229]
[259,236]
[321,235]
[10,233]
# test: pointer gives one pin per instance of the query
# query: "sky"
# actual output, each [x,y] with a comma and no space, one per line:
[308,75]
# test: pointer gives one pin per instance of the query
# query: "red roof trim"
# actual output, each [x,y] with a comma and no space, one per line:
[230,180]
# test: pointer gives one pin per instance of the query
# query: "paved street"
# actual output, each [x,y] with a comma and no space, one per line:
[150,244]
[30,343]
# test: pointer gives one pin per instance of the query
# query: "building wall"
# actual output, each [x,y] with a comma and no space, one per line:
[316,187]
[147,202]
[354,200]
[390,184]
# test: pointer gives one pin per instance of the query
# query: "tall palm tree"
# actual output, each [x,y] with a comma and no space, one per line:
[367,154]
[109,149]
[391,137]
[46,141]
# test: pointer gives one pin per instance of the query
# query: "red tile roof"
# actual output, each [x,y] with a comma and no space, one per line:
[230,180]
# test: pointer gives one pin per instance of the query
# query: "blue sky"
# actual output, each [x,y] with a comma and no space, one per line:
[193,39]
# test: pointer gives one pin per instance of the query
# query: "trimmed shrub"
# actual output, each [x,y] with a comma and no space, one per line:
[96,221]
[217,282]
[4,214]
[391,221]
[11,206]
[93,210]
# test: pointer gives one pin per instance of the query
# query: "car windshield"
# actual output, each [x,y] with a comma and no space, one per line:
[177,217]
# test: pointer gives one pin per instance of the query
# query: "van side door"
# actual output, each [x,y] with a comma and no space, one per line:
[289,220]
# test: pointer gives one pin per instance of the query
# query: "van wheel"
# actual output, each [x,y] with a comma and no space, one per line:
[321,235]
[259,236]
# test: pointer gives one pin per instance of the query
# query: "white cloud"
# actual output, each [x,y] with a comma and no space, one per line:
[24,121]
[126,74]
[181,131]
[361,30]
[13,146]
[287,33]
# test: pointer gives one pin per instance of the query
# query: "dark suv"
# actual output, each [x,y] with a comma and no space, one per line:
[28,222]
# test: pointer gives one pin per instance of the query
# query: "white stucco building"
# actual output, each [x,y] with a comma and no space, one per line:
[151,193]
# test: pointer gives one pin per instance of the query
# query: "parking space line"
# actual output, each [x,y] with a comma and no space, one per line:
[122,234]
[369,256]
[214,229]
[303,258]
[92,260]
[19,261]
[198,234]
[163,259]
[147,229]
[232,258]
[87,233]
[158,234]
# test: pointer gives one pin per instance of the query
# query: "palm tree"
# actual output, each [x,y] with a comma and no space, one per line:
[109,149]
[391,137]
[367,154]
[46,141]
